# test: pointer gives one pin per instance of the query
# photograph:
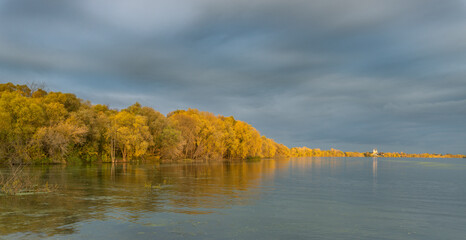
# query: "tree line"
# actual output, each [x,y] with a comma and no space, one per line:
[37,126]
[307,152]
[53,127]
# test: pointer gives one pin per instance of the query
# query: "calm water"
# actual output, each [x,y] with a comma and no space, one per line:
[300,198]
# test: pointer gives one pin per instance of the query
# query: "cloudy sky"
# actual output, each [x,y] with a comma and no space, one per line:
[347,74]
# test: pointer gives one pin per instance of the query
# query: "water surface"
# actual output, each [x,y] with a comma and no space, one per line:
[298,198]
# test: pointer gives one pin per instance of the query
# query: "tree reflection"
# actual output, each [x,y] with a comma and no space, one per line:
[97,192]
[132,192]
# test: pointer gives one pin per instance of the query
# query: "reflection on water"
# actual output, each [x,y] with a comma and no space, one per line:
[325,198]
[88,192]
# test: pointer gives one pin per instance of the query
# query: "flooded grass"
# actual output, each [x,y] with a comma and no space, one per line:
[17,182]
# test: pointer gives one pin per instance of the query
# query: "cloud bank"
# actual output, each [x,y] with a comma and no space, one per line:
[345,74]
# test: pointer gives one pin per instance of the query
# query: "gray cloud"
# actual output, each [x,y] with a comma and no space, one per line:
[345,74]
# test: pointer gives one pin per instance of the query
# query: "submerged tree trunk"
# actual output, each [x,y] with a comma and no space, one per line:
[124,153]
[112,150]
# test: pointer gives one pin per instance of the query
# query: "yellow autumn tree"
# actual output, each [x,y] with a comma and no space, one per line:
[131,134]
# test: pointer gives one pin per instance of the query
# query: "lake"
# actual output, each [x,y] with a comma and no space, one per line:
[297,198]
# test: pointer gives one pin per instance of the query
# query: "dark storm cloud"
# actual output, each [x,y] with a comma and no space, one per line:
[345,74]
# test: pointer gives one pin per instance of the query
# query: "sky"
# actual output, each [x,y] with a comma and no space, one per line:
[346,74]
